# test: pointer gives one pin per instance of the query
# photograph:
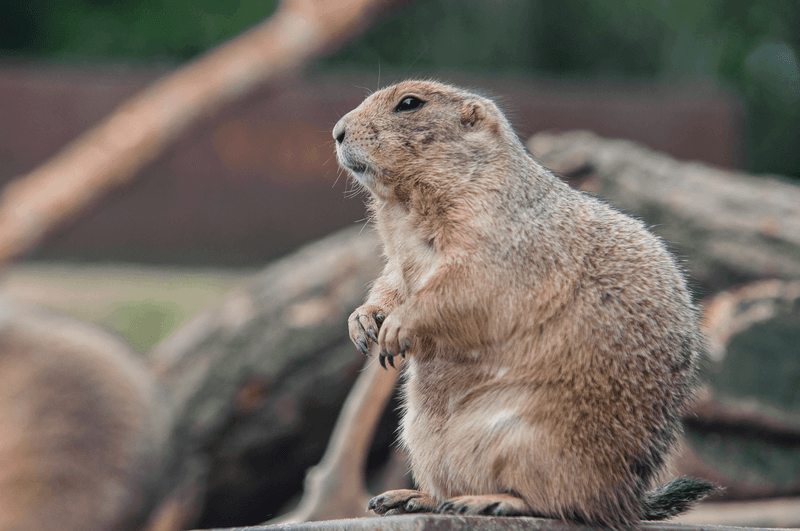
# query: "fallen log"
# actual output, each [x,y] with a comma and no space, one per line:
[730,228]
[745,430]
[438,522]
[777,512]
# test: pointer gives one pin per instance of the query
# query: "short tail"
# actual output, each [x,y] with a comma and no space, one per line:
[675,497]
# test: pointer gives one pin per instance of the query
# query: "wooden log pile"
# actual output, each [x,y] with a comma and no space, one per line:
[729,227]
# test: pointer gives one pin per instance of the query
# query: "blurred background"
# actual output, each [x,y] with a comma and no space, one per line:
[716,81]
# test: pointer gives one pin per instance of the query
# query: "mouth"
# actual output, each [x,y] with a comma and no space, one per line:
[353,161]
[361,173]
[357,167]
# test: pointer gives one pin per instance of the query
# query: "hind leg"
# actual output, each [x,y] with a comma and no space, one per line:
[401,502]
[488,504]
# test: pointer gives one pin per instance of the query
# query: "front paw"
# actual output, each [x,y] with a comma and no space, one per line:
[364,324]
[395,337]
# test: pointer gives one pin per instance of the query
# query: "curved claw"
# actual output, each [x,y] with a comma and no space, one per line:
[373,504]
[445,507]
[412,506]
[372,336]
[384,356]
[362,346]
[493,509]
[405,344]
[379,318]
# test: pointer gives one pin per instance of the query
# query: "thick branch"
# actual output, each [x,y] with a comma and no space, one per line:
[111,153]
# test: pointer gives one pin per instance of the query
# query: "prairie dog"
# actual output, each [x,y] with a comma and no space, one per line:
[81,427]
[550,341]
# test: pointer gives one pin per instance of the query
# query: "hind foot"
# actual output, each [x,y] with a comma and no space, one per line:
[401,502]
[488,504]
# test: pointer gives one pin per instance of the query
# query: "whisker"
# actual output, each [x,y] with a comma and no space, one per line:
[338,174]
[427,47]
[369,91]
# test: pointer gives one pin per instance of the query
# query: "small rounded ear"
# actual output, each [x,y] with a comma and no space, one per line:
[472,112]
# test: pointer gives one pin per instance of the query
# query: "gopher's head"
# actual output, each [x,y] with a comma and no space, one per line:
[419,133]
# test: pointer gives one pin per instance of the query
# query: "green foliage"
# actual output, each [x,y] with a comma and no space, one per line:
[141,304]
[124,29]
[143,324]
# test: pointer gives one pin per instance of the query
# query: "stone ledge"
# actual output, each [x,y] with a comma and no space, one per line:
[437,522]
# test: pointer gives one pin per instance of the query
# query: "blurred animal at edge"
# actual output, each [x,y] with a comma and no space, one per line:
[80,429]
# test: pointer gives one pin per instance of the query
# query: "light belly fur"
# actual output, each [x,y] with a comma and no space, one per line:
[462,447]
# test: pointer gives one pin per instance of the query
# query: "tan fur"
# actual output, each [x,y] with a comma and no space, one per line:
[78,435]
[552,343]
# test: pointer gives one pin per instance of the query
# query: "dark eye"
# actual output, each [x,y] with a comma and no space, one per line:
[409,103]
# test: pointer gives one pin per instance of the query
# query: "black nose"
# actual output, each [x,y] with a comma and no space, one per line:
[339,131]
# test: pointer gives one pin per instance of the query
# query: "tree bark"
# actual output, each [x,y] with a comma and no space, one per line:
[745,430]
